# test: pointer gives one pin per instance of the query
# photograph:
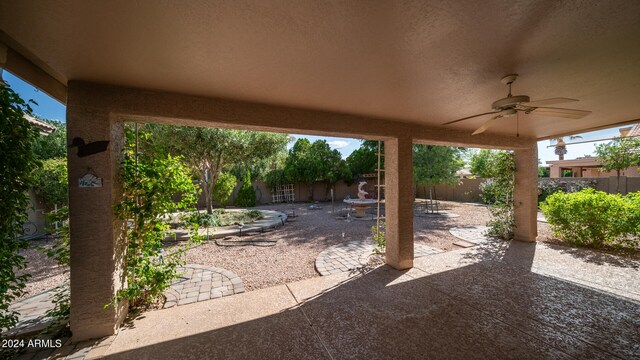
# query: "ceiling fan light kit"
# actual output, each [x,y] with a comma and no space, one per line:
[512,104]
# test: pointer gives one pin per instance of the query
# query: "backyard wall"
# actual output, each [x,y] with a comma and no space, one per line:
[468,190]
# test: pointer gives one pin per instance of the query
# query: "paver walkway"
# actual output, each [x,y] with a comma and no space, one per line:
[355,254]
[32,310]
[201,283]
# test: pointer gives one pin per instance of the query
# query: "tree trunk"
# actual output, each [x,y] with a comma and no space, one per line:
[207,197]
[310,192]
[618,181]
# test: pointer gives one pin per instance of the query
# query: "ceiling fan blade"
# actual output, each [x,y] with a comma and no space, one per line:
[470,117]
[551,101]
[558,112]
[487,124]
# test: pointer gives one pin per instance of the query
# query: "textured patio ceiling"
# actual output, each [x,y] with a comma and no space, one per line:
[424,61]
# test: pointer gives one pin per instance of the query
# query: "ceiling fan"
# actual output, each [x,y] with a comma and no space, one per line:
[513,104]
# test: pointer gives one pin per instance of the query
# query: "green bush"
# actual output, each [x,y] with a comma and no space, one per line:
[490,192]
[246,194]
[379,238]
[51,182]
[594,218]
[223,188]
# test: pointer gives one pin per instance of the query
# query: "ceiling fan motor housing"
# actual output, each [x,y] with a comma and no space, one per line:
[509,102]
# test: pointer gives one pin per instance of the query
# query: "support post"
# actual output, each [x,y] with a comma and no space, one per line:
[97,244]
[526,194]
[398,163]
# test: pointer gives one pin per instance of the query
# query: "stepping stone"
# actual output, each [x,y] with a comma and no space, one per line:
[464,244]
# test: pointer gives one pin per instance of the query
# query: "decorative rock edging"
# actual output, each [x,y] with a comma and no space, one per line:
[353,255]
[443,214]
[202,283]
[271,219]
[473,234]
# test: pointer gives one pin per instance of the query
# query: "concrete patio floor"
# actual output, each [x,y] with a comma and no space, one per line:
[497,300]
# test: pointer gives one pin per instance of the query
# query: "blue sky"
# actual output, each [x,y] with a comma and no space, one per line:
[51,109]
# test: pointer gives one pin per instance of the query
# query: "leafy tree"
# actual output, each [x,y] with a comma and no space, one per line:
[17,162]
[301,165]
[246,194]
[483,163]
[51,182]
[434,165]
[209,151]
[618,155]
[543,172]
[223,188]
[54,145]
[277,177]
[259,168]
[364,160]
[331,167]
[309,162]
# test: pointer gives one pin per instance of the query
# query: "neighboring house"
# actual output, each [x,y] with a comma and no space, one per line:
[589,167]
[586,167]
[44,127]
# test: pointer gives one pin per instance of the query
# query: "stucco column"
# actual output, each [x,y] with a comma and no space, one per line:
[526,194]
[96,245]
[398,164]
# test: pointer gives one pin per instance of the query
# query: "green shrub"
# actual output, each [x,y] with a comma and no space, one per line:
[246,194]
[498,192]
[51,182]
[223,188]
[205,219]
[254,214]
[593,218]
[490,192]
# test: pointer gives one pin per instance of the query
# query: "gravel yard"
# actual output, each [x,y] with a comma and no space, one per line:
[299,243]
[45,272]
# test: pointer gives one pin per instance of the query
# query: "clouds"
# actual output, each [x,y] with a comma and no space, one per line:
[338,144]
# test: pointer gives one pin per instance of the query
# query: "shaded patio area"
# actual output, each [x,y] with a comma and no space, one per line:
[496,300]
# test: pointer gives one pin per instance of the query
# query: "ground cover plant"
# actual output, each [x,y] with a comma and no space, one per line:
[221,217]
